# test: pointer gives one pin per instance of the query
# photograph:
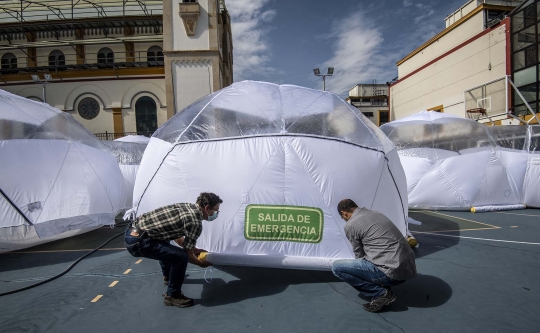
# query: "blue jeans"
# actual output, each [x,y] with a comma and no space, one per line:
[364,276]
[173,259]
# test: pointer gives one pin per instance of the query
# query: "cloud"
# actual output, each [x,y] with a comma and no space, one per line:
[250,25]
[358,56]
[422,18]
[407,3]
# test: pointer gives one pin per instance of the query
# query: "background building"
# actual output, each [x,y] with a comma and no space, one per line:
[463,68]
[525,57]
[371,100]
[103,59]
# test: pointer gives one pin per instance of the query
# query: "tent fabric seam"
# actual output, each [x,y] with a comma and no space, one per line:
[198,114]
[405,215]
[95,173]
[322,196]
[55,179]
[378,183]
[316,99]
[247,193]
[278,135]
[15,207]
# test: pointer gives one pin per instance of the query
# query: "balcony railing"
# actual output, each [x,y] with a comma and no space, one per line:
[76,62]
[113,136]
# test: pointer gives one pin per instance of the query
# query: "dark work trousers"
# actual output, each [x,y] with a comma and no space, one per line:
[173,259]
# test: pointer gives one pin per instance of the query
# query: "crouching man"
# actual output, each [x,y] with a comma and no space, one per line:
[150,234]
[383,256]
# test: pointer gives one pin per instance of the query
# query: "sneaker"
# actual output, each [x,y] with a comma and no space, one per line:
[377,304]
[165,281]
[181,302]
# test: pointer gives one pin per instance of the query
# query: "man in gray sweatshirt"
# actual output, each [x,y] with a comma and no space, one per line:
[383,256]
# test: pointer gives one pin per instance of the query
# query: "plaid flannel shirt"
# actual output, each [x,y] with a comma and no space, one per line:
[172,222]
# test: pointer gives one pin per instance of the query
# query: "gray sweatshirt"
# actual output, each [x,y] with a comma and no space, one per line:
[376,239]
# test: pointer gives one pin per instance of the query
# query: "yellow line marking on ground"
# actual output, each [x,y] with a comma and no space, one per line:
[518,214]
[53,251]
[460,218]
[96,298]
[127,271]
[139,261]
[486,239]
[113,284]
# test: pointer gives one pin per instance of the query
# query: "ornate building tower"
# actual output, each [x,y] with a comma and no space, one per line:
[197,44]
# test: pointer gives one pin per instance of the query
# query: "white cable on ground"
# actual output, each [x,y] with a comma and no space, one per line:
[492,208]
[410,220]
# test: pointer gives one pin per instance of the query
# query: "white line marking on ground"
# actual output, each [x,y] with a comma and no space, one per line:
[518,214]
[461,218]
[486,239]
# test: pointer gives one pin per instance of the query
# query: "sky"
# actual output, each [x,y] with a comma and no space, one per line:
[282,41]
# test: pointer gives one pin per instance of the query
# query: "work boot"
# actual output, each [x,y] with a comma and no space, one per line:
[165,281]
[377,304]
[181,302]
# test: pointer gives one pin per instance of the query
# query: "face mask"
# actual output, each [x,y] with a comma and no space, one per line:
[213,216]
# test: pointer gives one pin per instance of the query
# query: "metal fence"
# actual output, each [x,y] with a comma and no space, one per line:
[66,62]
[114,136]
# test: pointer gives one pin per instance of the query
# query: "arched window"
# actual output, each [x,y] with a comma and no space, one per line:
[146,115]
[155,53]
[57,58]
[9,60]
[105,55]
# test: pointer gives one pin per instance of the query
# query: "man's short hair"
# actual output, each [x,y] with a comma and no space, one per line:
[346,205]
[208,199]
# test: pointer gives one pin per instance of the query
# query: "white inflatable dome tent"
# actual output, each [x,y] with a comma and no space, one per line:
[452,163]
[128,152]
[55,179]
[523,140]
[281,157]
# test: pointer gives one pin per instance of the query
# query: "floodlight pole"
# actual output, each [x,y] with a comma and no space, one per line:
[329,73]
[37,80]
[44,83]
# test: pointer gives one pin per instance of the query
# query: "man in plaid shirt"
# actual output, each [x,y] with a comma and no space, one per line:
[150,234]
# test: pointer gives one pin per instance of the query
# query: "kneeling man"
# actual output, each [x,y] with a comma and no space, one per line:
[383,256]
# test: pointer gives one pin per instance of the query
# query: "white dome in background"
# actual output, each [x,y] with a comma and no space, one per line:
[455,163]
[55,179]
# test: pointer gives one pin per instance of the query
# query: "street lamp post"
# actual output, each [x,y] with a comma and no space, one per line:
[330,72]
[48,78]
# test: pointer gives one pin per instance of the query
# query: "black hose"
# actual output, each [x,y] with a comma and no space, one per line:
[62,273]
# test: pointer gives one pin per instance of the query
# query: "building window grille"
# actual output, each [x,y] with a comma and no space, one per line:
[155,53]
[57,58]
[528,13]
[9,60]
[88,108]
[530,56]
[105,55]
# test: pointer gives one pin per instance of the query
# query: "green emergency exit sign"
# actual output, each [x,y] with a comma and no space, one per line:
[283,223]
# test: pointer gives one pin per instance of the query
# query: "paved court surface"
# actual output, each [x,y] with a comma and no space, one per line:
[477,273]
